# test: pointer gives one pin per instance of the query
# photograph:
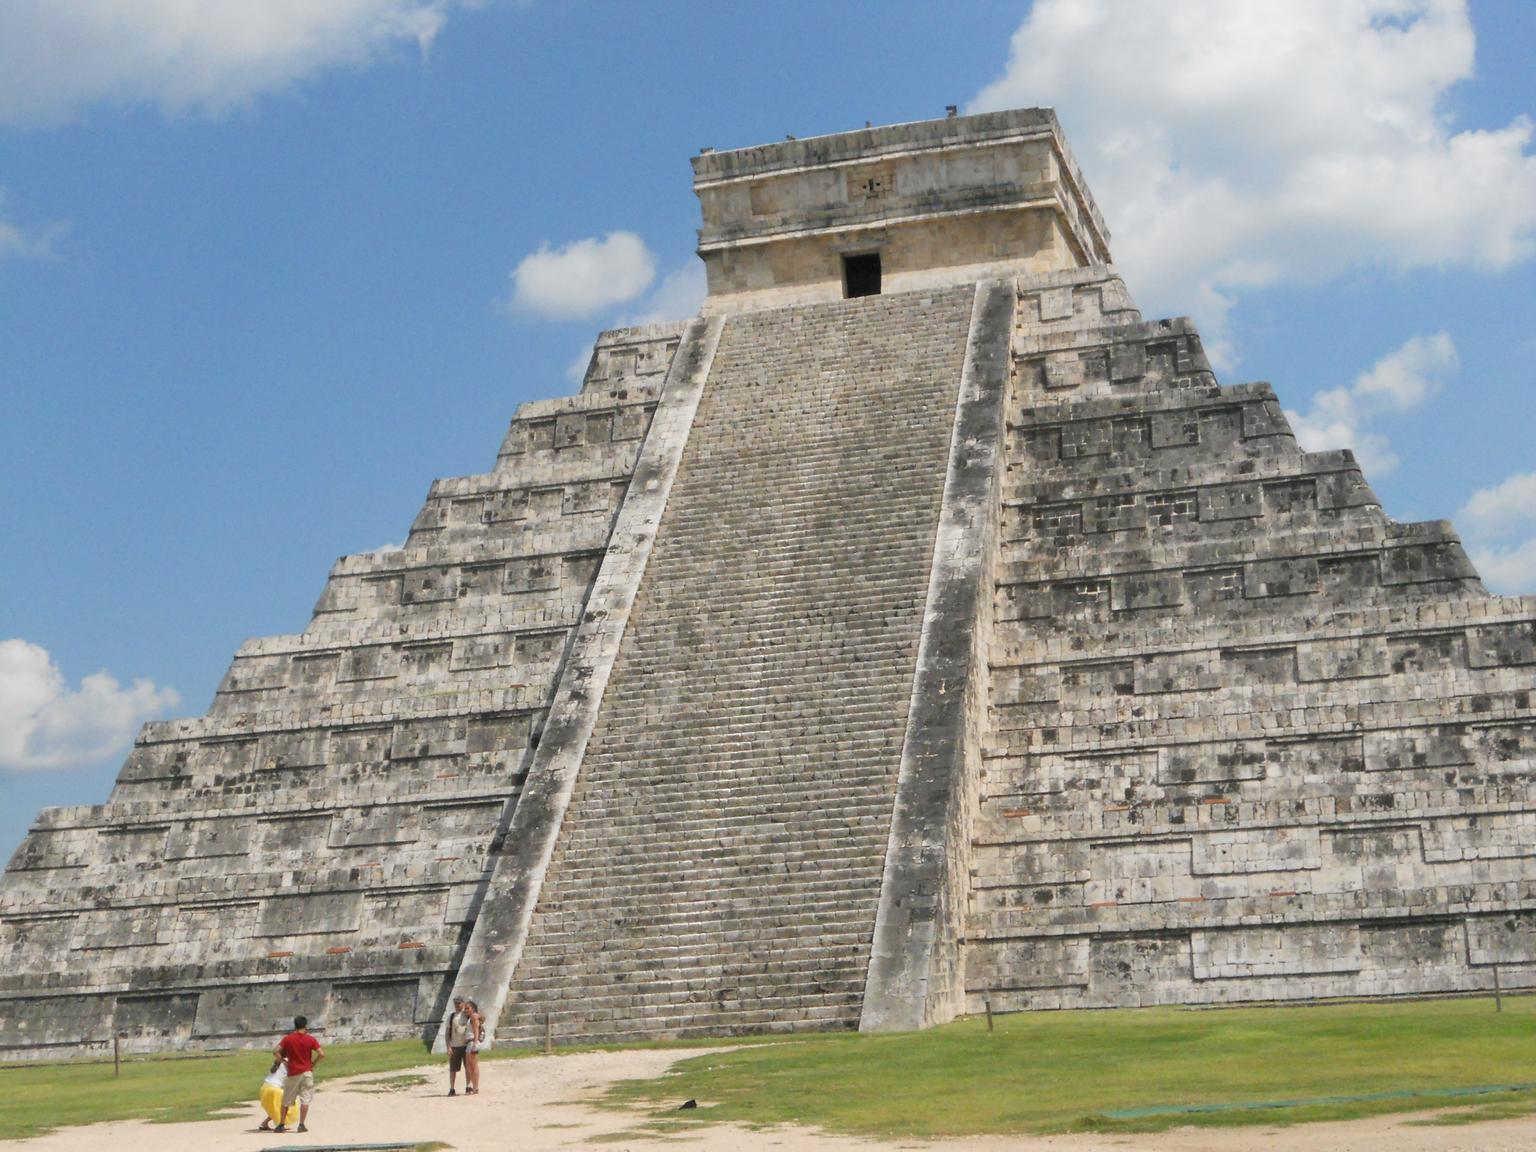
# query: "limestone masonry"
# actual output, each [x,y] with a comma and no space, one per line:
[917,628]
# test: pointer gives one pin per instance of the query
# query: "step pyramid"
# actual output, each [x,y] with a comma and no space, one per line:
[917,630]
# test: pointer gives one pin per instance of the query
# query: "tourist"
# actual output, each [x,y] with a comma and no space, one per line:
[472,1049]
[458,1045]
[299,1052]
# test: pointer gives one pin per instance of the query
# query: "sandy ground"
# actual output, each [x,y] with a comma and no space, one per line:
[538,1104]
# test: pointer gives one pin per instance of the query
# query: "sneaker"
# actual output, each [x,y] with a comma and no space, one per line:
[281,1128]
[302,1128]
[451,1092]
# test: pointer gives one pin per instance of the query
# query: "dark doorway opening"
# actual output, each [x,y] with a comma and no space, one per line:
[861,275]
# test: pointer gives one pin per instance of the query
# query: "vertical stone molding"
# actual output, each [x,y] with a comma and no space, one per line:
[915,976]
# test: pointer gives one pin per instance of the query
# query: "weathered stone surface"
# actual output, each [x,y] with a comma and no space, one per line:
[915,973]
[515,885]
[1250,739]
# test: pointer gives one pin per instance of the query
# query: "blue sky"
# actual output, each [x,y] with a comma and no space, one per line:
[257,266]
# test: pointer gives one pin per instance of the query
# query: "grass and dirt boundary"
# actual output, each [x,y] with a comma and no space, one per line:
[1123,1071]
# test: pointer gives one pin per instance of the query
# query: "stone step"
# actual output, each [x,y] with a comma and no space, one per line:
[778,1015]
[809,831]
[751,805]
[722,890]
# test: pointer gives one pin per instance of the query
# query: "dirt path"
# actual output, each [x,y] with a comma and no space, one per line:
[539,1104]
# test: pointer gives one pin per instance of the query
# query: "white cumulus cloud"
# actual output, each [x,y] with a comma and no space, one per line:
[583,277]
[1399,382]
[46,724]
[1236,145]
[1404,379]
[60,57]
[1509,569]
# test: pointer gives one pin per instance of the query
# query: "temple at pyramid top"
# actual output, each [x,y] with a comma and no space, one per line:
[894,209]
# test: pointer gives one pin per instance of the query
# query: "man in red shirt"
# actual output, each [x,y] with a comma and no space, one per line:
[300,1052]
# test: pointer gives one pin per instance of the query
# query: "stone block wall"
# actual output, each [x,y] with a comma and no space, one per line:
[318,842]
[1250,739]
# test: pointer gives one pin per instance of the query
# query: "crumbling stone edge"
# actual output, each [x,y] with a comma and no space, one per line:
[501,929]
[914,978]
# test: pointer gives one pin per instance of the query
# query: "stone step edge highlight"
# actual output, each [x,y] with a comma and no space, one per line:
[914,969]
[512,890]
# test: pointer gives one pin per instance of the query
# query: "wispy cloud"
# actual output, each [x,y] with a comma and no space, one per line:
[677,297]
[58,58]
[1506,507]
[1507,568]
[46,724]
[1399,382]
[1235,146]
[576,370]
[20,241]
[1494,519]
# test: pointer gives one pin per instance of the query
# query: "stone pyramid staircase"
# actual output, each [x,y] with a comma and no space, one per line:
[804,672]
[719,867]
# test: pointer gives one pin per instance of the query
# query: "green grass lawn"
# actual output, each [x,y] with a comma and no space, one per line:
[1038,1072]
[1119,1071]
